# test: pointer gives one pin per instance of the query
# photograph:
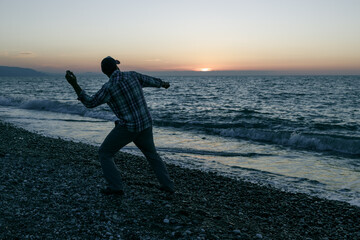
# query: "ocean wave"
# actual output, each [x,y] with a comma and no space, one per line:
[56,106]
[4,101]
[317,142]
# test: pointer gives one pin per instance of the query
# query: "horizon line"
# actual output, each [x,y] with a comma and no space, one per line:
[240,72]
[216,72]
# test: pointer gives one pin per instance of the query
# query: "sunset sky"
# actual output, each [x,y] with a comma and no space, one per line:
[166,35]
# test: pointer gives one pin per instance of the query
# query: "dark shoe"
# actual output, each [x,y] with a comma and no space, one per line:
[166,189]
[109,191]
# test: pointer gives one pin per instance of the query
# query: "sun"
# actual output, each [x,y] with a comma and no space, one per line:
[203,69]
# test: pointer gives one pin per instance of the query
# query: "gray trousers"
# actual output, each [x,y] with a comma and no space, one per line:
[118,138]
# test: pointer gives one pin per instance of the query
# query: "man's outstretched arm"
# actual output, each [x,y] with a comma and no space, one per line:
[99,98]
[147,81]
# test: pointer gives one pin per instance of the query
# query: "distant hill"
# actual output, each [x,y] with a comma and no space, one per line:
[19,72]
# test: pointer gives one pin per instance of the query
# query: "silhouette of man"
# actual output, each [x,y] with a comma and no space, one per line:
[123,93]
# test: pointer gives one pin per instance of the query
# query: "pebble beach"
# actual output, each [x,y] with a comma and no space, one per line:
[50,189]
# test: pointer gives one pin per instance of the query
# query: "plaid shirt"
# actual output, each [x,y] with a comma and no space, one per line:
[123,93]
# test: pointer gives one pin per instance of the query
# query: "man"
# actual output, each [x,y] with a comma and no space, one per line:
[123,93]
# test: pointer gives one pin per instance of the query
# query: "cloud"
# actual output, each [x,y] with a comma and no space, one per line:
[16,54]
[25,53]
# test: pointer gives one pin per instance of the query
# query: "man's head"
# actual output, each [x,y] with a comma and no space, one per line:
[109,65]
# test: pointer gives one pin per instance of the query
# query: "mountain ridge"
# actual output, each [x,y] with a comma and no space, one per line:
[6,71]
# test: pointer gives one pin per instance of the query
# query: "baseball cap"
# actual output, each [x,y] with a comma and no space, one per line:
[108,65]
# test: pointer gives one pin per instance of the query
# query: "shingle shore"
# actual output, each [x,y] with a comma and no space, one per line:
[49,189]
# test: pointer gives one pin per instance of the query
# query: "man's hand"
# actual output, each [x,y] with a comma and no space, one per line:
[70,77]
[165,85]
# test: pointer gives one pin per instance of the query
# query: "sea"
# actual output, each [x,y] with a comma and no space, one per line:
[295,133]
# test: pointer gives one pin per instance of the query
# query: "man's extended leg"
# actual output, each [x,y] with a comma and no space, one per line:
[117,138]
[145,142]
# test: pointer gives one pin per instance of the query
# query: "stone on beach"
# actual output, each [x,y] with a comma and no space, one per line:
[47,193]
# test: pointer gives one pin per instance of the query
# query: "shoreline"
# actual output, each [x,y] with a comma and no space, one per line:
[50,188]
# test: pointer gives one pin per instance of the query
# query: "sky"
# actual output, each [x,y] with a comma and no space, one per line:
[310,36]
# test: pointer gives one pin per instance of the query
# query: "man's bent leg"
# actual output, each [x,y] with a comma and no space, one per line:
[117,138]
[145,142]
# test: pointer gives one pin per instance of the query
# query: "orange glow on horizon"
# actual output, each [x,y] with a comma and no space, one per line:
[203,69]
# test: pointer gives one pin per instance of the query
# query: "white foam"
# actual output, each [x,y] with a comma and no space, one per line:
[297,140]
